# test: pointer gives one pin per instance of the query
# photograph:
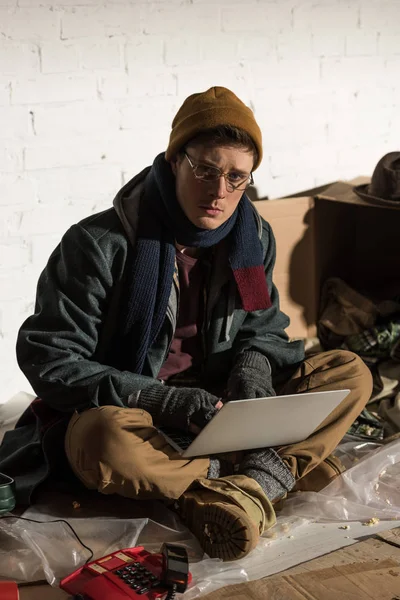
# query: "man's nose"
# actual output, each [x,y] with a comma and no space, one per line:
[219,189]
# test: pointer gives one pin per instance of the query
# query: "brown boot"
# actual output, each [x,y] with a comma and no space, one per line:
[226,520]
[223,529]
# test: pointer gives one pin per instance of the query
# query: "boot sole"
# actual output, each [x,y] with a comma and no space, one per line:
[224,531]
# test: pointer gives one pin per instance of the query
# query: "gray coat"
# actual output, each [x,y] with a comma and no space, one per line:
[68,349]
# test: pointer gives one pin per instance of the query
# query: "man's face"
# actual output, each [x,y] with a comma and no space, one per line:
[209,204]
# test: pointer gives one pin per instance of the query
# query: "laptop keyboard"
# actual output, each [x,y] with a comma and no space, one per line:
[180,438]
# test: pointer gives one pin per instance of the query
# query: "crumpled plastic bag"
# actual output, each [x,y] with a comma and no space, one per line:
[369,489]
[51,551]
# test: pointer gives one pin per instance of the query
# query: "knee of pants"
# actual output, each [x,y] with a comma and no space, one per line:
[356,367]
[109,439]
[338,368]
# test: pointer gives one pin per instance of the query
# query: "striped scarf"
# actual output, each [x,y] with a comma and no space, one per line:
[161,223]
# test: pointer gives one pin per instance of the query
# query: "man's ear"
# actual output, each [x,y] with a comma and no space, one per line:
[175,161]
[174,164]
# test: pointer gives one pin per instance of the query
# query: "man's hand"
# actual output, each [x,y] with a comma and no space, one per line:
[250,377]
[195,429]
[178,407]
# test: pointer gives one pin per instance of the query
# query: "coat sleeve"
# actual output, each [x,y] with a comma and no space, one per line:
[264,330]
[56,346]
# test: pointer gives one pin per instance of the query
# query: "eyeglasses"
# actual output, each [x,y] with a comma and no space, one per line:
[234,180]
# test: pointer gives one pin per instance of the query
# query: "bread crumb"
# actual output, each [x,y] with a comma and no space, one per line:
[344,527]
[75,505]
[372,521]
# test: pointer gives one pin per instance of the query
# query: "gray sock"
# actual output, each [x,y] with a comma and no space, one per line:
[219,468]
[214,469]
[270,472]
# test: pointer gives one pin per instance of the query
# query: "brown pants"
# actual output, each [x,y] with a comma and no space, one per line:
[118,450]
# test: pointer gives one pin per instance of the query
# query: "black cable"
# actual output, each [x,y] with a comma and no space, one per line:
[55,521]
[171,593]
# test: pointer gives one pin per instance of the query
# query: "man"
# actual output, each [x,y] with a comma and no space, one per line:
[157,311]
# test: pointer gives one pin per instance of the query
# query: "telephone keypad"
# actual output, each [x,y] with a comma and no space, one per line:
[138,578]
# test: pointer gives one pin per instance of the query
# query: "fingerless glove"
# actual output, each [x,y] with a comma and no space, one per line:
[250,377]
[178,407]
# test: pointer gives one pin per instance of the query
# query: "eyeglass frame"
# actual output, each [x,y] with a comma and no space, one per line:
[222,174]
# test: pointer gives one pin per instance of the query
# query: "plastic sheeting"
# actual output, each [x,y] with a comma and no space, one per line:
[31,551]
[50,550]
[370,489]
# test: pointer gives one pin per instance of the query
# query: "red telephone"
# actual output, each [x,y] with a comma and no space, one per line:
[131,573]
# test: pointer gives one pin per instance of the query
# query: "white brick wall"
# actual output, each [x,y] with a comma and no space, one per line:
[88,90]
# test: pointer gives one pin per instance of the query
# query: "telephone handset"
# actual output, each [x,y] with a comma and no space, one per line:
[131,573]
[175,569]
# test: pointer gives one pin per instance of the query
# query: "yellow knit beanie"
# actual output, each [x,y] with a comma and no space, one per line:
[217,106]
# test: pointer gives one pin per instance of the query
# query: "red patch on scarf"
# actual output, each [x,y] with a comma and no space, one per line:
[253,288]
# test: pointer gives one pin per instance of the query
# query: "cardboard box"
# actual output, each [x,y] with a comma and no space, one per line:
[332,234]
[369,569]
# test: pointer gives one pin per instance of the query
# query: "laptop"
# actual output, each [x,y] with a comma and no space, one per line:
[257,423]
